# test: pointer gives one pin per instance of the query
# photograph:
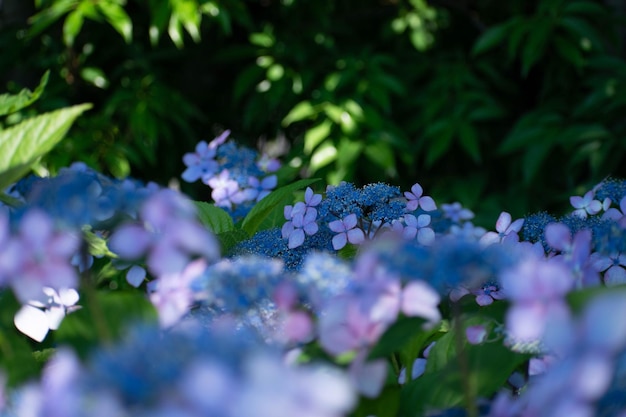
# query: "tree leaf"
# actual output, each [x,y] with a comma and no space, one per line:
[118,18]
[263,208]
[72,26]
[22,144]
[214,218]
[301,111]
[10,103]
[491,38]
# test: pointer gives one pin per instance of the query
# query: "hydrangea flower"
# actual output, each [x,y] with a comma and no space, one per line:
[36,318]
[347,231]
[418,227]
[301,220]
[612,267]
[259,189]
[585,205]
[456,212]
[41,257]
[506,230]
[415,199]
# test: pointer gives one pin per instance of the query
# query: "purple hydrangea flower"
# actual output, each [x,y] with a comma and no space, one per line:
[200,164]
[301,221]
[42,257]
[415,199]
[226,191]
[585,205]
[418,227]
[612,266]
[260,189]
[456,212]
[506,230]
[347,231]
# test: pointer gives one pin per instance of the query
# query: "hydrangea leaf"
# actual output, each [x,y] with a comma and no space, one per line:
[264,208]
[401,333]
[214,218]
[104,316]
[21,145]
[10,103]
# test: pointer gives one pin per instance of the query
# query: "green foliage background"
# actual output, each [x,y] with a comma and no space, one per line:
[500,105]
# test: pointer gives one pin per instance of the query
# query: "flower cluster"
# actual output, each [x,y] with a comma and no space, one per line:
[237,175]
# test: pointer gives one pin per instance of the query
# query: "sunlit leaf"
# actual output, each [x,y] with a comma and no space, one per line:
[22,144]
[10,103]
[214,218]
[264,207]
[71,27]
[118,18]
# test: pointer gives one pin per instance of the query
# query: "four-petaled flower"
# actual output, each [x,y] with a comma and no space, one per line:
[259,189]
[505,230]
[418,227]
[585,205]
[456,212]
[347,231]
[415,199]
[301,221]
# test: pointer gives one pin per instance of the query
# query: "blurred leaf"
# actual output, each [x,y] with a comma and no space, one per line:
[22,144]
[583,8]
[94,76]
[71,27]
[229,240]
[48,16]
[316,135]
[536,42]
[214,218]
[160,12]
[323,155]
[385,405]
[118,18]
[381,154]
[581,29]
[246,79]
[492,37]
[16,358]
[569,51]
[490,365]
[300,111]
[106,316]
[397,335]
[533,158]
[264,207]
[10,103]
[468,138]
[440,136]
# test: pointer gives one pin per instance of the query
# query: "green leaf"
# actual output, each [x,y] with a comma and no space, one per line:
[583,8]
[229,240]
[316,135]
[214,218]
[396,336]
[301,111]
[48,16]
[118,18]
[97,245]
[264,207]
[569,51]
[491,38]
[104,318]
[440,140]
[21,145]
[582,30]
[535,44]
[246,80]
[489,364]
[468,138]
[385,405]
[16,359]
[10,103]
[534,157]
[71,27]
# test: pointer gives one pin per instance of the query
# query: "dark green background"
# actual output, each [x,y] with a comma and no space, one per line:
[511,105]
